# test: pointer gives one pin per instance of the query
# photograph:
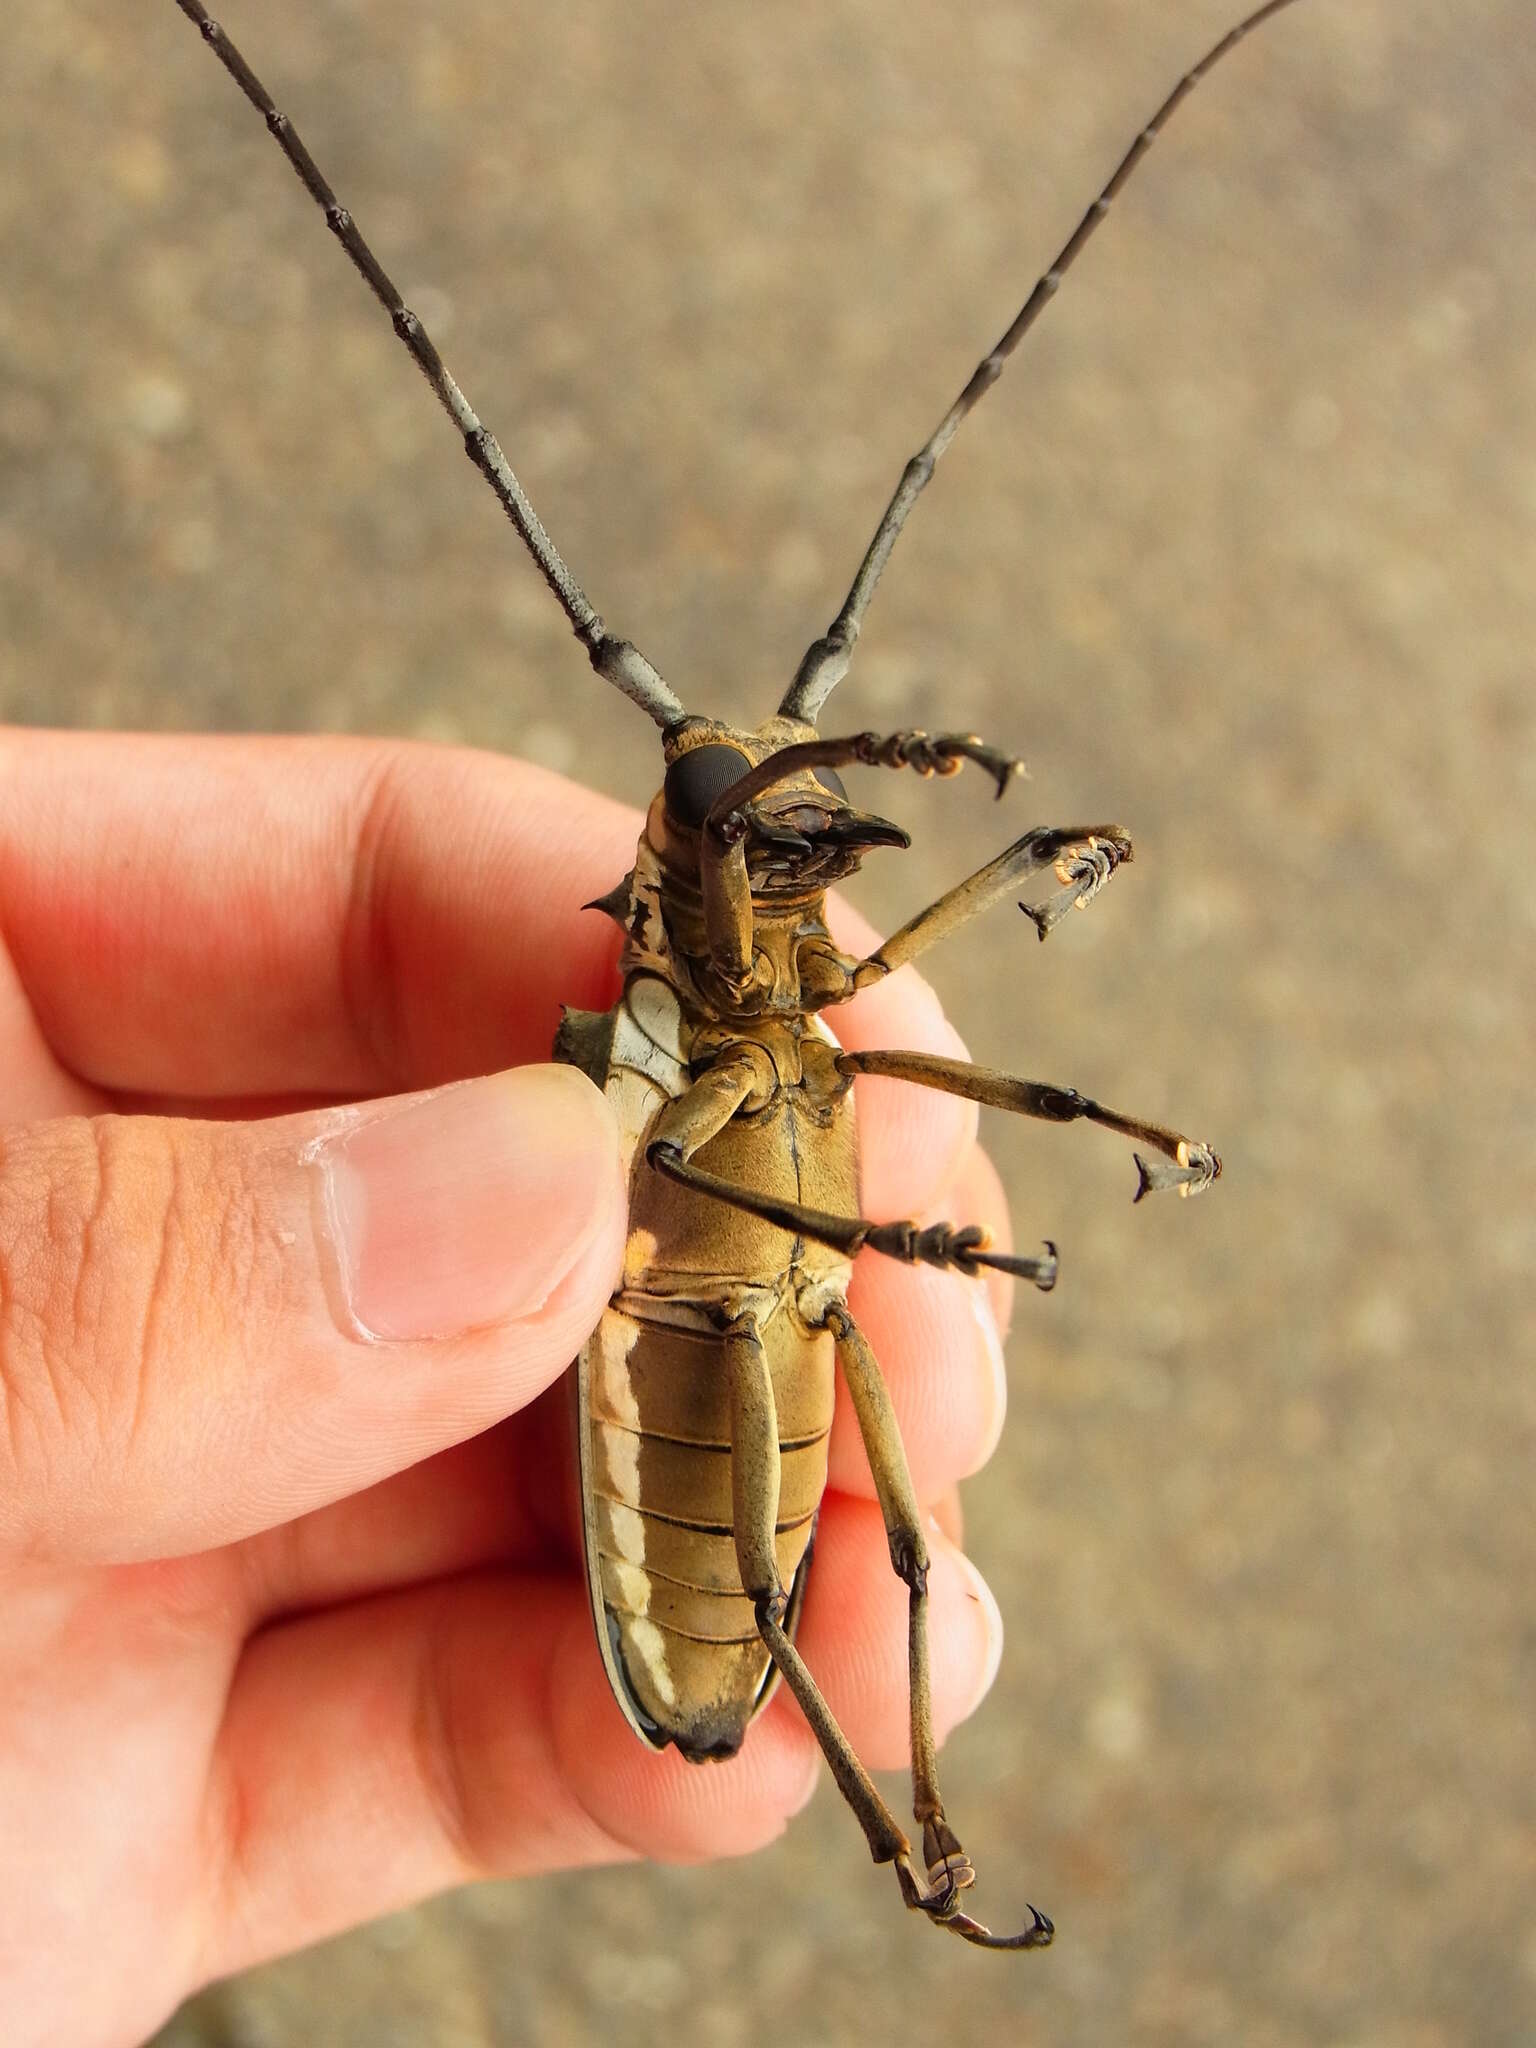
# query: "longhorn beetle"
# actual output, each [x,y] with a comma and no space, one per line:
[704,1398]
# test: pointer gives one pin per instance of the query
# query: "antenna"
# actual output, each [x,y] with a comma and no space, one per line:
[617,661]
[825,662]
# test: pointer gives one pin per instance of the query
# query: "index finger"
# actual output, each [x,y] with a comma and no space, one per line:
[221,919]
[214,917]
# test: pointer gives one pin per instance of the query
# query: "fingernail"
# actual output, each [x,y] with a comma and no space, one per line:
[997,1372]
[991,1619]
[466,1207]
[807,1793]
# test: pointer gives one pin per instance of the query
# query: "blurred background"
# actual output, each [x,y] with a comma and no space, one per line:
[1239,552]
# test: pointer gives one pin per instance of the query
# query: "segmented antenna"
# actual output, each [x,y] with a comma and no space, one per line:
[617,661]
[826,660]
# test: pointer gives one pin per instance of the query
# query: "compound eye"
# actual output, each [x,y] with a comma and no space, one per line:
[698,779]
[830,779]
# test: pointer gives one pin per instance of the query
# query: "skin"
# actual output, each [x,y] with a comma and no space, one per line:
[292,1624]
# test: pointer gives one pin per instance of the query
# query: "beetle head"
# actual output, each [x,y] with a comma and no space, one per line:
[801,832]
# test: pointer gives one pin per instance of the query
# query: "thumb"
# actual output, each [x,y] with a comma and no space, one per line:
[207,1329]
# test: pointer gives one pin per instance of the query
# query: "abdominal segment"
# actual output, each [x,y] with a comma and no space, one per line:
[658,1456]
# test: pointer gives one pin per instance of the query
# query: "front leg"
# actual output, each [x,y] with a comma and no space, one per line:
[723,879]
[743,1076]
[1192,1166]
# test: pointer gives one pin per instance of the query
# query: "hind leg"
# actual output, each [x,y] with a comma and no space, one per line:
[754,1503]
[949,1869]
[754,1506]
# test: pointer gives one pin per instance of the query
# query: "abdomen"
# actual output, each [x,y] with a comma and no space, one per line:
[676,1629]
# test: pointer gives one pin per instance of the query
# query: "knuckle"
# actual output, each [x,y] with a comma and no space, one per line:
[118,1251]
[438,1739]
[379,1027]
[53,1191]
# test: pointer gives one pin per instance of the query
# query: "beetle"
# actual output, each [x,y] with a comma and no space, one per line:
[704,1398]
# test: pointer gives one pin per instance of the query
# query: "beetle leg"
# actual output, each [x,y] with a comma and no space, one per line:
[940,753]
[727,897]
[936,1244]
[723,881]
[754,1509]
[745,1074]
[707,1104]
[1192,1166]
[949,1869]
[1083,856]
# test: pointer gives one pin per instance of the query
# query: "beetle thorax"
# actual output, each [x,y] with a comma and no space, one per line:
[795,965]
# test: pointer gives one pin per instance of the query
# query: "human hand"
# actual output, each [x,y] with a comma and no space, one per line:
[292,1624]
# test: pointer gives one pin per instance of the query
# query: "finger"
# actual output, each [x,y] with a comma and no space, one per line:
[935,1337]
[854,1633]
[33,1084]
[935,1341]
[466,1509]
[912,1140]
[948,1512]
[980,1197]
[461,1731]
[507,1499]
[209,917]
[213,1328]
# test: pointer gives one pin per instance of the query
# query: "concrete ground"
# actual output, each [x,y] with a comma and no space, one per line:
[1239,552]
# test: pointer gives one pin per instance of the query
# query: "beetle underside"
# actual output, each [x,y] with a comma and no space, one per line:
[705,1396]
